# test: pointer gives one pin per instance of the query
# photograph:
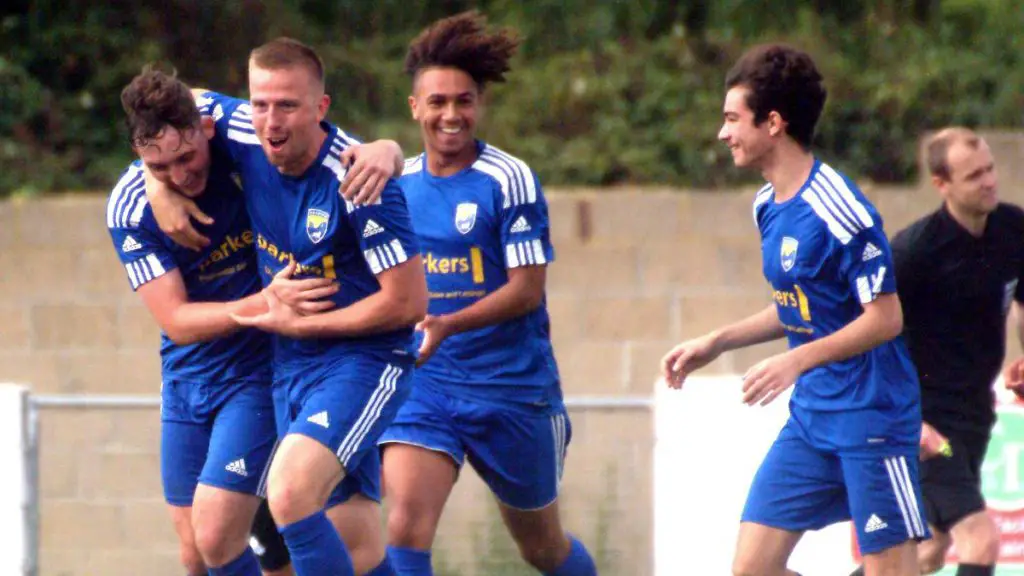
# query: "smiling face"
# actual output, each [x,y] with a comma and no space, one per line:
[447,104]
[180,158]
[288,105]
[748,142]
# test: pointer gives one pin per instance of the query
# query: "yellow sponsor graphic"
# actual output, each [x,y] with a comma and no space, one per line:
[231,245]
[795,299]
[472,264]
[324,270]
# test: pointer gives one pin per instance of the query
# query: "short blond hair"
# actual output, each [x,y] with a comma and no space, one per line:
[938,145]
[288,53]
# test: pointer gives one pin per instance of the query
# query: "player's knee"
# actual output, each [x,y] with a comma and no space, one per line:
[544,554]
[290,501]
[750,566]
[409,528]
[191,559]
[931,562]
[981,548]
[218,545]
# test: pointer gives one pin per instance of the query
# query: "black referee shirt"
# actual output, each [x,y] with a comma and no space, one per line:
[956,291]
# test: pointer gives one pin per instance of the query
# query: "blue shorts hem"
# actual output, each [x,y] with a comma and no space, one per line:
[457,461]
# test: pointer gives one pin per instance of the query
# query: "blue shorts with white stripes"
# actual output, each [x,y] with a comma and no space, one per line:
[800,486]
[346,405]
[518,450]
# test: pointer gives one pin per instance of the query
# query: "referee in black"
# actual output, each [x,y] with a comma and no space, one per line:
[959,270]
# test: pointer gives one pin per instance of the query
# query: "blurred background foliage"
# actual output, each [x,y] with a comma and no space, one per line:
[607,92]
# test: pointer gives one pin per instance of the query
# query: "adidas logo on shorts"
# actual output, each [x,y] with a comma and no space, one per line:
[870,251]
[238,467]
[520,225]
[320,419]
[874,524]
[372,228]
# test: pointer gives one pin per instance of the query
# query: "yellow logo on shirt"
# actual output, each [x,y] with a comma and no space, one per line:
[472,264]
[232,244]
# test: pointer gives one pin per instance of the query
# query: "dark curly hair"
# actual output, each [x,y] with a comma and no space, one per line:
[463,42]
[783,79]
[155,100]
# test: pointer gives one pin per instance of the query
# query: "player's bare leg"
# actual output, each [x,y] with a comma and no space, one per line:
[539,535]
[191,559]
[302,475]
[931,554]
[977,539]
[417,483]
[899,560]
[763,550]
[221,520]
[357,521]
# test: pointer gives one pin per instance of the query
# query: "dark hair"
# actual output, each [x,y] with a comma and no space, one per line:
[938,145]
[783,79]
[155,100]
[286,53]
[463,42]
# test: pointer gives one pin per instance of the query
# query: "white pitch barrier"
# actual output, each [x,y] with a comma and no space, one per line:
[16,481]
[708,445]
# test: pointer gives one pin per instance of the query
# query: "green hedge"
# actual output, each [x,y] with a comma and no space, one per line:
[603,93]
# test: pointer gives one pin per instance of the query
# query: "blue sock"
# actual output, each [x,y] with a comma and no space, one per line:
[244,565]
[316,548]
[578,563]
[410,562]
[383,569]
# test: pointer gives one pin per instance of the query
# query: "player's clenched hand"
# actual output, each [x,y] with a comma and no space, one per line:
[369,167]
[279,317]
[306,295]
[933,443]
[1013,376]
[174,213]
[687,357]
[435,329]
[769,378]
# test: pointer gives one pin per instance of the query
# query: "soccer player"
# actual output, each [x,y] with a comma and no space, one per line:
[958,272]
[487,387]
[339,375]
[850,446]
[217,419]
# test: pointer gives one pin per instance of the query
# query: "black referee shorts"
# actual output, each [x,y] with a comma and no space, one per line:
[267,541]
[952,486]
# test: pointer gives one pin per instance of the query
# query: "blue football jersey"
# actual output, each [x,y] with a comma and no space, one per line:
[825,254]
[473,227]
[306,219]
[222,272]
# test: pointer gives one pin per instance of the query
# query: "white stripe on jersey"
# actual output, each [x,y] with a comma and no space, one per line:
[242,125]
[128,200]
[838,230]
[513,175]
[840,186]
[413,165]
[155,265]
[133,276]
[371,413]
[399,251]
[763,195]
[373,261]
[343,139]
[243,137]
[834,205]
[864,293]
[528,253]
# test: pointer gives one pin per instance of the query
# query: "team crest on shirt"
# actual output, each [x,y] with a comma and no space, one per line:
[788,256]
[465,217]
[316,224]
